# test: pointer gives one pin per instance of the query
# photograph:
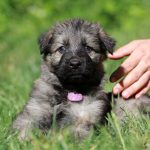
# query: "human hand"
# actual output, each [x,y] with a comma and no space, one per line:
[135,69]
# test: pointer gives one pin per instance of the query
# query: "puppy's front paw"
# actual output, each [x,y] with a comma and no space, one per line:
[23,127]
[22,133]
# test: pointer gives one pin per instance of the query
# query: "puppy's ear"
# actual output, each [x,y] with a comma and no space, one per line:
[45,42]
[107,42]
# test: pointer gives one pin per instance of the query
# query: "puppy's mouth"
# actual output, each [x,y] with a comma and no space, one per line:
[77,77]
[76,91]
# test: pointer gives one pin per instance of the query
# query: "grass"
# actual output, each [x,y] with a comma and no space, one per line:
[19,67]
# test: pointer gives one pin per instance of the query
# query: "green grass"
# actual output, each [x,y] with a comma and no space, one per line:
[20,66]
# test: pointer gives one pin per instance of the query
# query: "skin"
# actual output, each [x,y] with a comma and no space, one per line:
[135,70]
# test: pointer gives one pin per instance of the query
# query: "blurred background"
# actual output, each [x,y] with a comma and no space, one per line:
[22,21]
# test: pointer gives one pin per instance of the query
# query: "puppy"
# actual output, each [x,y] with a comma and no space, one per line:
[69,88]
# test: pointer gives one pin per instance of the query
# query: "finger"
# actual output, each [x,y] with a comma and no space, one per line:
[124,51]
[130,63]
[135,74]
[143,91]
[134,88]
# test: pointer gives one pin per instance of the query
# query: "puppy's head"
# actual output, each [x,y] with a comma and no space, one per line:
[74,51]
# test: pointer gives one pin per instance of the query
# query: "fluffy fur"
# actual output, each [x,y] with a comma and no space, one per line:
[73,53]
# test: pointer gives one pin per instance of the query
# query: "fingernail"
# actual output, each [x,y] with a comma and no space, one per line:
[138,96]
[125,94]
[116,91]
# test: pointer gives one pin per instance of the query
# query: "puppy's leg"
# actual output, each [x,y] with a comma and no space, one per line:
[37,112]
[34,114]
[132,106]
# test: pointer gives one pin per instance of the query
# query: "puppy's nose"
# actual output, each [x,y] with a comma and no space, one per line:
[75,63]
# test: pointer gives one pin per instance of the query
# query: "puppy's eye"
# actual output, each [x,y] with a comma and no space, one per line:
[61,49]
[88,49]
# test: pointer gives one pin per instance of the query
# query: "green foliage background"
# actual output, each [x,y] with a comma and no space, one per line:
[21,23]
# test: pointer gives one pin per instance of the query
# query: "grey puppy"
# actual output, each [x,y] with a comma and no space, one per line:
[70,87]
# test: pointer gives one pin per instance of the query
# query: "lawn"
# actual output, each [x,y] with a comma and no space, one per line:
[21,25]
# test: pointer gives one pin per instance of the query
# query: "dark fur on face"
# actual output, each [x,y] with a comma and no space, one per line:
[73,53]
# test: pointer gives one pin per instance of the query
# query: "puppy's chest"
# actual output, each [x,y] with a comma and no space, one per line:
[89,110]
